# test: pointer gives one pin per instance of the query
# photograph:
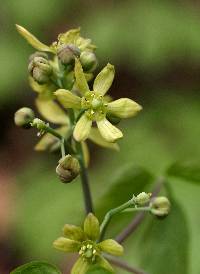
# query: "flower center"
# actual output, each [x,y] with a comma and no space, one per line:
[94,105]
[88,251]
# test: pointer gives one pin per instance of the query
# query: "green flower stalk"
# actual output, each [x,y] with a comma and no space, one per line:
[94,106]
[84,242]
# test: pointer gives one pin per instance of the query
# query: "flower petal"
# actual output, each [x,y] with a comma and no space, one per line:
[104,264]
[73,232]
[109,132]
[31,39]
[96,138]
[68,99]
[112,247]
[82,128]
[81,81]
[80,267]
[124,108]
[66,245]
[104,79]
[92,227]
[51,111]
[45,89]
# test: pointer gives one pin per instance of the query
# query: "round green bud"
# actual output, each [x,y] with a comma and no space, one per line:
[160,206]
[142,198]
[88,60]
[68,169]
[40,69]
[67,54]
[113,119]
[23,117]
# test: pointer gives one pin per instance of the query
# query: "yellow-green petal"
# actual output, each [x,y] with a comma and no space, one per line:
[51,111]
[112,247]
[81,81]
[104,264]
[68,99]
[45,90]
[109,132]
[33,41]
[104,79]
[96,138]
[66,245]
[81,266]
[73,232]
[50,142]
[82,128]
[124,108]
[91,227]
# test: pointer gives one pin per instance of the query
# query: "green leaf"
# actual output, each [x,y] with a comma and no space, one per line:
[36,268]
[187,170]
[98,270]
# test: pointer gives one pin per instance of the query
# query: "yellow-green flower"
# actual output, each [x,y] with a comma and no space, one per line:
[84,241]
[94,105]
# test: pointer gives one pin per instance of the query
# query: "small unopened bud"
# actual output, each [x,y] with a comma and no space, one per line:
[67,54]
[23,117]
[68,168]
[88,60]
[142,198]
[40,69]
[160,206]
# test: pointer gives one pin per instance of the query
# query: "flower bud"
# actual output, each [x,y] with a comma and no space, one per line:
[142,198]
[88,60]
[68,168]
[23,117]
[160,206]
[40,69]
[67,54]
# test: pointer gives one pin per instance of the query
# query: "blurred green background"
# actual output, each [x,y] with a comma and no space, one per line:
[155,47]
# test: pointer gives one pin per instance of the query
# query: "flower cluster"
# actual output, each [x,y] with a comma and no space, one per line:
[63,80]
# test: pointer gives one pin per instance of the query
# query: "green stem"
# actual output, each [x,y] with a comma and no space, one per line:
[145,208]
[121,264]
[62,146]
[84,180]
[110,214]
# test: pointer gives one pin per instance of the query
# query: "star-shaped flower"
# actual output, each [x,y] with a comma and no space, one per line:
[94,106]
[84,241]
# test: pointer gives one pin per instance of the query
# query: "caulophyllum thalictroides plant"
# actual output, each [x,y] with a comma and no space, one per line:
[59,74]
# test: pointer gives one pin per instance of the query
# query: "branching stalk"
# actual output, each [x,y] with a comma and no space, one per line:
[121,264]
